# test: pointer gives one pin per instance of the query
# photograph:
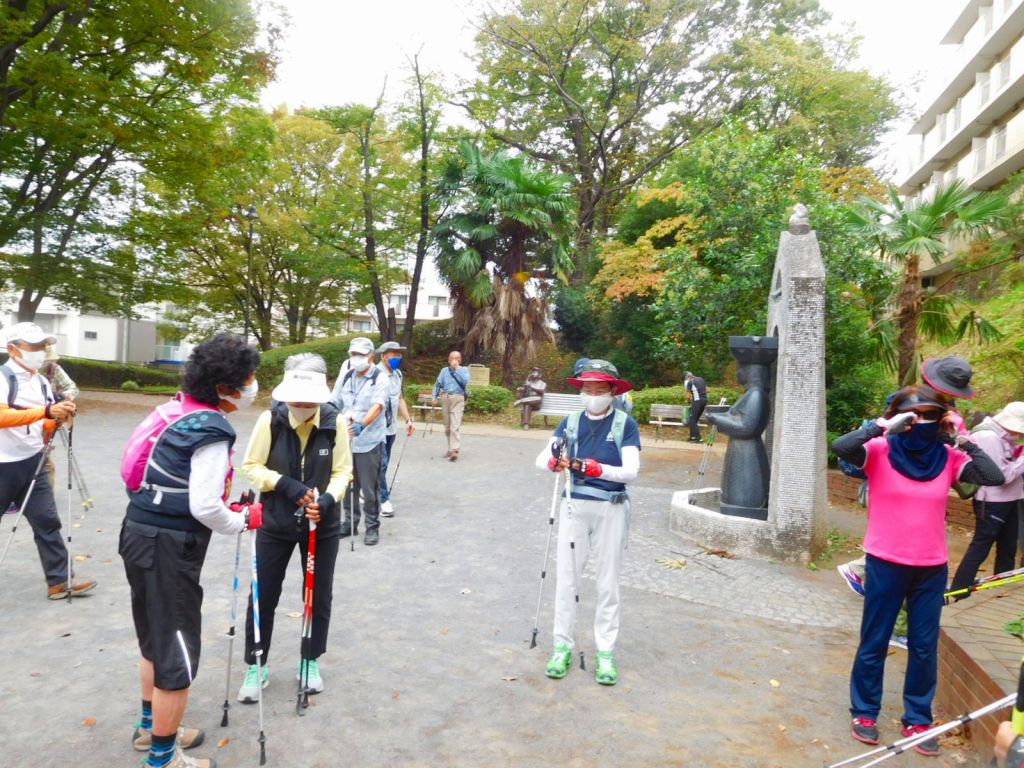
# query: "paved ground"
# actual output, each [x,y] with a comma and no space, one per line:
[722,663]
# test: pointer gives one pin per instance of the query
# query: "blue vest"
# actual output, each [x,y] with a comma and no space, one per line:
[163,498]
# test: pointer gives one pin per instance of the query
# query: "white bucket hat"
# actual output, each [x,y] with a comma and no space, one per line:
[302,387]
[30,333]
[1011,417]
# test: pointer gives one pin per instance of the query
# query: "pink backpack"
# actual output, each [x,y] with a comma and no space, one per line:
[140,445]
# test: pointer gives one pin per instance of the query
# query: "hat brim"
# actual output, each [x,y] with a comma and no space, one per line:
[382,350]
[44,339]
[619,386]
[917,401]
[293,392]
[933,378]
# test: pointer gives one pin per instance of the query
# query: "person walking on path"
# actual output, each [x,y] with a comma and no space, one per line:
[698,394]
[452,388]
[395,411]
[165,535]
[29,415]
[996,508]
[601,447]
[911,466]
[360,396]
[296,449]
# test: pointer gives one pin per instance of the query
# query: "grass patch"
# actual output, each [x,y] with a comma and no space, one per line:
[838,546]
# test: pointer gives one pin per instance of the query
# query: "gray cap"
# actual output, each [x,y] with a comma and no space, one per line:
[360,345]
[390,346]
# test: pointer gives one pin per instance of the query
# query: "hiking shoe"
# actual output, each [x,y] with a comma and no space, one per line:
[314,682]
[853,580]
[929,747]
[898,641]
[558,664]
[606,673]
[454,456]
[864,730]
[187,738]
[78,588]
[249,693]
[386,509]
[372,537]
[182,761]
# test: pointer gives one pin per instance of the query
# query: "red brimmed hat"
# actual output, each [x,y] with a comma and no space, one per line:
[600,370]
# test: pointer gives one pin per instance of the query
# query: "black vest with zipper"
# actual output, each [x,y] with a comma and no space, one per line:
[312,466]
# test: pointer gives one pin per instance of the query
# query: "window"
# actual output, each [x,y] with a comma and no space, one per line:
[983,88]
[436,302]
[999,136]
[91,335]
[401,302]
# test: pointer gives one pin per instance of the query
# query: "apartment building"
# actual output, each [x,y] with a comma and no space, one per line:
[971,125]
[432,303]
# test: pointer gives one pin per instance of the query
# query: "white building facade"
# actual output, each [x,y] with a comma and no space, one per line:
[432,303]
[971,124]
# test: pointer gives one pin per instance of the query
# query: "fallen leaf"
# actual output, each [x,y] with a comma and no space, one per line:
[106,562]
[465,591]
[395,694]
[774,683]
[99,530]
[76,525]
[35,674]
[81,558]
[672,565]
[224,742]
[295,614]
[89,721]
[444,630]
[782,728]
[508,679]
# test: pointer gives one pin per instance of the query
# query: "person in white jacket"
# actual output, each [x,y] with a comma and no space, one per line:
[996,508]
[600,449]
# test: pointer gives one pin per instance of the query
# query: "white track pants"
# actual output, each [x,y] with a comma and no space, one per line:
[598,527]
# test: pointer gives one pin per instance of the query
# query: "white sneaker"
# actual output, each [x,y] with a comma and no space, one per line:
[386,509]
[314,681]
[249,693]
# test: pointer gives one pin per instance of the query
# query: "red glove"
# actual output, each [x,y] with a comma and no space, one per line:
[253,514]
[553,464]
[591,468]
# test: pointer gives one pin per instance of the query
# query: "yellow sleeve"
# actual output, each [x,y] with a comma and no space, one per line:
[341,470]
[255,464]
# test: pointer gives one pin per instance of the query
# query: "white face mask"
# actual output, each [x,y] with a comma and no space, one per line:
[245,395]
[596,404]
[32,360]
[359,363]
[303,414]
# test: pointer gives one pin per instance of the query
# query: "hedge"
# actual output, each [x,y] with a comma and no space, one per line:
[334,350]
[485,399]
[643,399]
[96,374]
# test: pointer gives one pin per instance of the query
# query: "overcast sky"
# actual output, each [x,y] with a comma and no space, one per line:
[342,52]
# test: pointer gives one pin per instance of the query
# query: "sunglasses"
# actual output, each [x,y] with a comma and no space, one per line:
[929,414]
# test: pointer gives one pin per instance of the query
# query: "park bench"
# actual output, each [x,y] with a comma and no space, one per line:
[554,404]
[425,405]
[665,415]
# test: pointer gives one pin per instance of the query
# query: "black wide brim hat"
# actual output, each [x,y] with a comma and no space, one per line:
[949,375]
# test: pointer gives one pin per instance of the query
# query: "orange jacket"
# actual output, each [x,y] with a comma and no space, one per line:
[20,417]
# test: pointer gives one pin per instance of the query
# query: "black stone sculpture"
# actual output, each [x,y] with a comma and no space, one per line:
[746,475]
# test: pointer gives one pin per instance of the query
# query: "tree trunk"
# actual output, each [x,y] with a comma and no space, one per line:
[424,193]
[907,318]
[28,304]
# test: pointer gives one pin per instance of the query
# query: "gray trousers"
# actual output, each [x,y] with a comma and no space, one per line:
[40,511]
[365,483]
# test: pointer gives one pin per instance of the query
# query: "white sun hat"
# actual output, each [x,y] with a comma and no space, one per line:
[302,387]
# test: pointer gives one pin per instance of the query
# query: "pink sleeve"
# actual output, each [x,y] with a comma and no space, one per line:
[874,448]
[957,459]
[958,422]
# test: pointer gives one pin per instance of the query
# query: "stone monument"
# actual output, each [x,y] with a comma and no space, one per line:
[794,526]
[530,395]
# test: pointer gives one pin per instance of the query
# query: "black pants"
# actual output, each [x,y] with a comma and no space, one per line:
[696,409]
[365,482]
[40,511]
[995,522]
[272,556]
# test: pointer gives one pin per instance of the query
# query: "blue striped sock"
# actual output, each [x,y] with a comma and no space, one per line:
[161,750]
[146,721]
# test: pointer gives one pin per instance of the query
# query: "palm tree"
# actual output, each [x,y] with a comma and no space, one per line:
[509,221]
[907,233]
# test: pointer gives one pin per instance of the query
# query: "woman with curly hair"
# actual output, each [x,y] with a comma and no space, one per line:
[166,532]
[911,458]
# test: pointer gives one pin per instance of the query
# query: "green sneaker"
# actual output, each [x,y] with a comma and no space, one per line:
[249,693]
[313,681]
[559,663]
[606,673]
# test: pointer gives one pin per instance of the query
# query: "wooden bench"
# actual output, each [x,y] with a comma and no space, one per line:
[554,404]
[665,415]
[425,405]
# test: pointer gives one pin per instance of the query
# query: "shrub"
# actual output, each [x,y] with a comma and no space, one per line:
[488,399]
[130,386]
[643,399]
[433,338]
[333,350]
[101,375]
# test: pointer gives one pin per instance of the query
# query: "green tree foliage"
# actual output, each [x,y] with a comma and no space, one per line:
[906,233]
[509,223]
[606,90]
[89,90]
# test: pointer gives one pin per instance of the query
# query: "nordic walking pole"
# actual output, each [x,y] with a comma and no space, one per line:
[544,565]
[901,746]
[302,698]
[231,630]
[572,552]
[705,460]
[989,582]
[352,512]
[1015,754]
[398,466]
[257,650]
[71,434]
[83,490]
[28,494]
